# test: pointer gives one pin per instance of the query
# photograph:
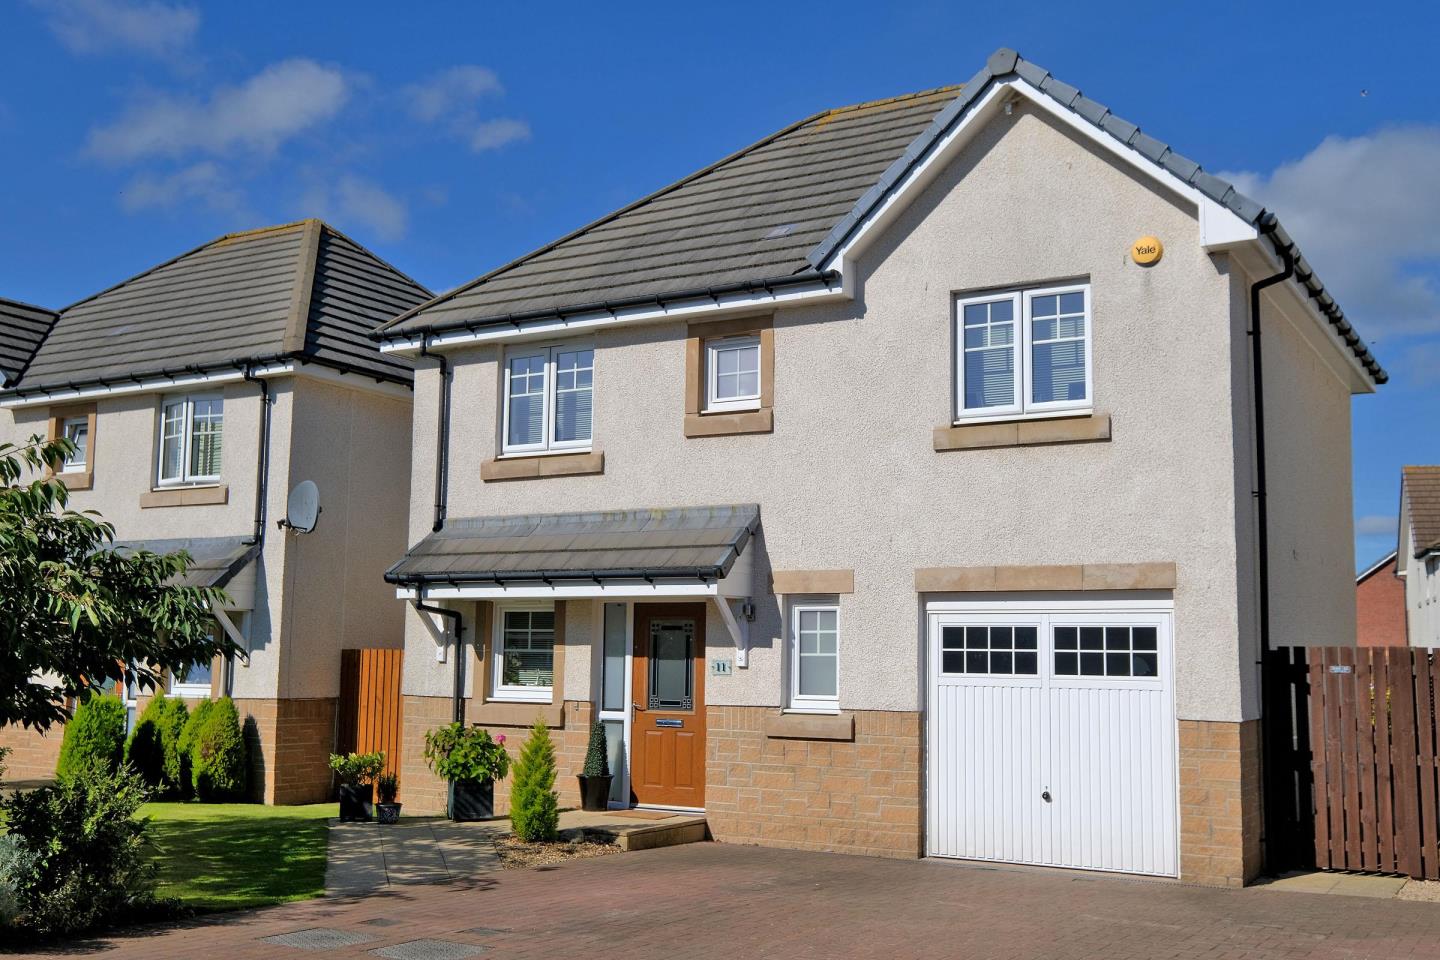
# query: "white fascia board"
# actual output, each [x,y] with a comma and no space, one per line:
[149,385]
[549,327]
[575,590]
[1219,226]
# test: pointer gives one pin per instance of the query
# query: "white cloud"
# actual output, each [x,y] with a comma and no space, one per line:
[278,103]
[205,182]
[452,99]
[450,90]
[1364,210]
[95,26]
[353,200]
[494,134]
[1375,525]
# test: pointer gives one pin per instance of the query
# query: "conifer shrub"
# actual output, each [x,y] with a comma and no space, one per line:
[534,804]
[94,735]
[217,752]
[154,747]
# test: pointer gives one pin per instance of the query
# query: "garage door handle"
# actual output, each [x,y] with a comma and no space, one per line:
[1045,795]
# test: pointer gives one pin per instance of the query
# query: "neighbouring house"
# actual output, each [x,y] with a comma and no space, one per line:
[889,487]
[1418,552]
[199,393]
[1380,605]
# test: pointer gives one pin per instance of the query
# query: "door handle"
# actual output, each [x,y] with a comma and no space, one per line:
[636,707]
[1045,795]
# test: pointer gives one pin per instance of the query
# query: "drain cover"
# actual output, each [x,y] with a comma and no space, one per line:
[485,931]
[379,922]
[430,950]
[319,938]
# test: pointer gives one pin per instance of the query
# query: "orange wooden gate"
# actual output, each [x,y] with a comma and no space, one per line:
[369,711]
[1351,746]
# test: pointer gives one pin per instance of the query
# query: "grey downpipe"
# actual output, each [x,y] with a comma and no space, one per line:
[262,462]
[1262,512]
[442,449]
[457,698]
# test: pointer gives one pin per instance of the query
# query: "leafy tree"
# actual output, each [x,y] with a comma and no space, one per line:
[95,737]
[74,612]
[534,804]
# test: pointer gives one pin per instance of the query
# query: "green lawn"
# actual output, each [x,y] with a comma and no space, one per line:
[227,856]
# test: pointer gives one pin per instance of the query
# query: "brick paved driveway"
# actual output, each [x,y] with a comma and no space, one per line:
[719,901]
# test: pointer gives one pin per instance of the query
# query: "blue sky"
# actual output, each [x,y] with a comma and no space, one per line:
[453,137]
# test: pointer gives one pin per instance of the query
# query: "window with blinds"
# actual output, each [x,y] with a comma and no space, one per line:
[525,653]
[1023,352]
[192,431]
[549,396]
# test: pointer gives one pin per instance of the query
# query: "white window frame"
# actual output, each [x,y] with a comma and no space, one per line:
[515,694]
[548,443]
[79,461]
[193,691]
[1022,357]
[800,703]
[187,436]
[713,403]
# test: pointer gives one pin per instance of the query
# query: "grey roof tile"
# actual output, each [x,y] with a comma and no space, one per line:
[301,290]
[678,541]
[1421,489]
[23,327]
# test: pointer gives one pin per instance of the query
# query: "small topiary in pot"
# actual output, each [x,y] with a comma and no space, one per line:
[595,780]
[387,787]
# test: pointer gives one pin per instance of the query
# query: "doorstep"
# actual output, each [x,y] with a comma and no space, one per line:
[1371,885]
[622,827]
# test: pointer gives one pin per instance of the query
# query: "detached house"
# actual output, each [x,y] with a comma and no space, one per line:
[1417,558]
[199,393]
[890,486]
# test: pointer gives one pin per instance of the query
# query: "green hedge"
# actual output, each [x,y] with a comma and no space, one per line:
[154,747]
[94,735]
[216,747]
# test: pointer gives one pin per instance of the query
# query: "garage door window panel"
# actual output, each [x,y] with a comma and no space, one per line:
[1110,651]
[1003,650]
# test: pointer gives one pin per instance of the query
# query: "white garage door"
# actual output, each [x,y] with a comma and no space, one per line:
[1051,736]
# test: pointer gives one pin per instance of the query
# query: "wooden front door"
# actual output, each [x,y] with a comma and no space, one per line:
[668,728]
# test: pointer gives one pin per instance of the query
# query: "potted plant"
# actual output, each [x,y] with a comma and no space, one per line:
[387,810]
[356,773]
[595,781]
[470,761]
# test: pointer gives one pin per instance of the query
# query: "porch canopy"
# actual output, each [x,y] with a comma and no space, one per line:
[214,561]
[672,552]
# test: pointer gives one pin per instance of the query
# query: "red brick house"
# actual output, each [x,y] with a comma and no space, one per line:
[1380,605]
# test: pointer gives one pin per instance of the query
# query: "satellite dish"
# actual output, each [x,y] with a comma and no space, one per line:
[302,511]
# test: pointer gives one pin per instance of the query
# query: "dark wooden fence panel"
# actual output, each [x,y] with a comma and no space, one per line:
[369,712]
[1352,780]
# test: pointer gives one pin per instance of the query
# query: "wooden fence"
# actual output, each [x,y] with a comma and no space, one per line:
[1350,760]
[369,710]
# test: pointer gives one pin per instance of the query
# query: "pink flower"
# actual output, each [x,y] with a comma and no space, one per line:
[500,739]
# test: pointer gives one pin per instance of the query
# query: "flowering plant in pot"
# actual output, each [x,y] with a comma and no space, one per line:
[595,781]
[387,810]
[356,773]
[470,761]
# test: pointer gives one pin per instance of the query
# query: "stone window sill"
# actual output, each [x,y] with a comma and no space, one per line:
[209,495]
[730,423]
[545,465]
[809,726]
[510,713]
[1023,433]
[76,480]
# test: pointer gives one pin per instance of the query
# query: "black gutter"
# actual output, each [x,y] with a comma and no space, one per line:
[457,700]
[568,576]
[262,461]
[1262,513]
[131,379]
[442,440]
[605,306]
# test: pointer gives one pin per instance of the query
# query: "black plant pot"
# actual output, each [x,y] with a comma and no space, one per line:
[594,792]
[387,812]
[355,802]
[472,799]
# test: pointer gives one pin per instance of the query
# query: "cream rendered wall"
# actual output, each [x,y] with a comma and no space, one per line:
[849,478]
[355,445]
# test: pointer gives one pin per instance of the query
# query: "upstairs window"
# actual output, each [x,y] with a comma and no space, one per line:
[732,374]
[1023,352]
[77,431]
[191,437]
[549,395]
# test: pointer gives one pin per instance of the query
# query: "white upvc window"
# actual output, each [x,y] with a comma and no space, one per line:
[193,683]
[77,431]
[815,657]
[523,666]
[1023,353]
[191,437]
[732,373]
[549,395]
